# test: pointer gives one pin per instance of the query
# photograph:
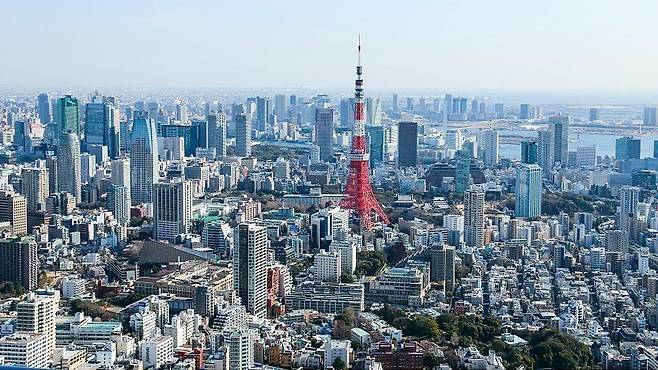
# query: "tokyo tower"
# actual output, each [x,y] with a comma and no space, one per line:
[358,189]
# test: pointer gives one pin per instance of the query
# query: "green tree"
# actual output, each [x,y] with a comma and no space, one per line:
[347,278]
[339,364]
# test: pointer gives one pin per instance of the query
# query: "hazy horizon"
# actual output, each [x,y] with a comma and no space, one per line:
[589,48]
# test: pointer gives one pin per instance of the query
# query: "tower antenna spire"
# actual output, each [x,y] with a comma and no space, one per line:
[359,50]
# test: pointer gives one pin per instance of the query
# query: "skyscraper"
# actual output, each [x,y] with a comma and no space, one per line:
[35,187]
[181,113]
[347,112]
[281,107]
[559,126]
[407,144]
[655,148]
[594,114]
[524,111]
[490,147]
[629,197]
[442,266]
[172,208]
[67,116]
[118,202]
[373,111]
[217,133]
[627,148]
[377,140]
[68,165]
[649,116]
[545,148]
[13,209]
[528,191]
[462,170]
[249,268]
[263,111]
[474,218]
[396,103]
[324,132]
[242,136]
[529,152]
[143,159]
[43,108]
[37,314]
[19,262]
[102,125]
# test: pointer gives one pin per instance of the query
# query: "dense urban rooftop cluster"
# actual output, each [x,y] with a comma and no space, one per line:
[192,233]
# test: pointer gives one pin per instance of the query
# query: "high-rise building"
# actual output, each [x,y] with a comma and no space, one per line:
[102,125]
[377,141]
[558,256]
[655,148]
[442,266]
[324,132]
[490,147]
[327,266]
[545,149]
[37,314]
[35,187]
[629,197]
[43,108]
[281,107]
[528,191]
[67,116]
[249,268]
[529,152]
[263,111]
[68,165]
[373,111]
[120,174]
[181,113]
[524,111]
[347,112]
[586,156]
[240,345]
[217,133]
[242,136]
[347,251]
[627,148]
[462,170]
[172,208]
[19,261]
[407,144]
[474,218]
[395,107]
[13,209]
[410,104]
[144,163]
[20,129]
[559,126]
[594,114]
[118,202]
[25,350]
[649,116]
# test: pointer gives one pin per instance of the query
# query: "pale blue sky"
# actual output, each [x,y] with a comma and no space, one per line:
[504,45]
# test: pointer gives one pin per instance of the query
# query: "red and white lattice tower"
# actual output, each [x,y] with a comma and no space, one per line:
[358,189]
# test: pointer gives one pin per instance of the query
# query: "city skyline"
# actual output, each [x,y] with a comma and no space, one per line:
[255,44]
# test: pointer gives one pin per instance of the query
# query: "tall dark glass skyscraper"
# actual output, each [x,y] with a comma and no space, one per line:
[627,148]
[143,158]
[43,108]
[67,116]
[407,144]
[529,152]
[102,125]
[324,132]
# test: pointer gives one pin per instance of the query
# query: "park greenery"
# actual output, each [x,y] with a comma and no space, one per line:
[546,348]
